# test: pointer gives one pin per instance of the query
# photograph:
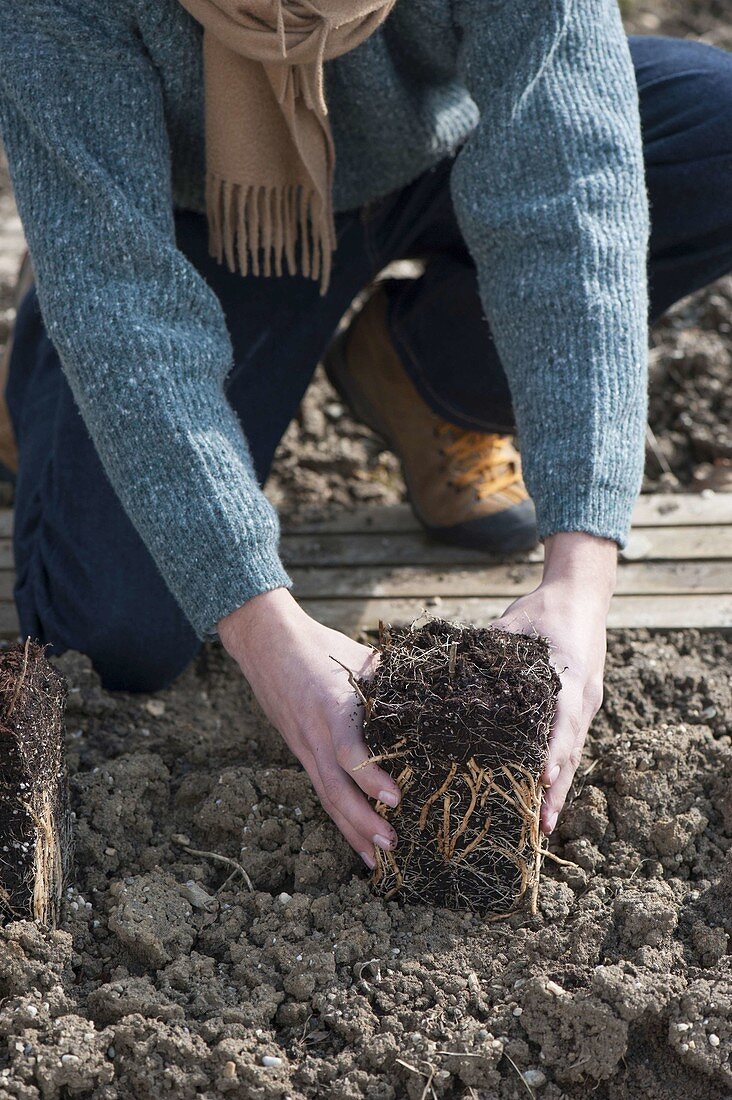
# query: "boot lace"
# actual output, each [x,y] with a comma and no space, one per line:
[485,462]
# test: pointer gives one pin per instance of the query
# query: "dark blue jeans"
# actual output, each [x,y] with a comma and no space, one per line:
[84,578]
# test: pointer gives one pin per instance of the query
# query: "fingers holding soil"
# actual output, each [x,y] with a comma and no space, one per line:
[565,752]
[345,804]
[355,759]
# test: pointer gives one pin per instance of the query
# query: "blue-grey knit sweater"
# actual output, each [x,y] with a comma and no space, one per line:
[101,114]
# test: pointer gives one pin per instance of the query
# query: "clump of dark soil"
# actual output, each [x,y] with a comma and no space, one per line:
[460,717]
[169,977]
[34,811]
[690,394]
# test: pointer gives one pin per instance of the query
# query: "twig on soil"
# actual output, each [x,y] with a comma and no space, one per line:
[459,1053]
[430,1076]
[523,1080]
[660,457]
[581,779]
[218,858]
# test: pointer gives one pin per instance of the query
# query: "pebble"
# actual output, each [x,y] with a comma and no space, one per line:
[534,1078]
[69,1059]
[31,1010]
[683,1027]
[155,707]
[518,1011]
[714,1040]
[199,898]
[271,1061]
[230,1070]
[555,988]
[284,899]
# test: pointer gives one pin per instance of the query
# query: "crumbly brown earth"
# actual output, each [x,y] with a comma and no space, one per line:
[168,976]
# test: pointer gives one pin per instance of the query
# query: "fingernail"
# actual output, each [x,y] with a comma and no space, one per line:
[368,860]
[551,821]
[383,842]
[554,773]
[389,798]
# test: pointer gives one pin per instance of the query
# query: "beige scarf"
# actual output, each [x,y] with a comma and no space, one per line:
[269,148]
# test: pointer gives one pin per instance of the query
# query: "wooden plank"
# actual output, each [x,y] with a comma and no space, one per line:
[679,543]
[660,612]
[8,621]
[682,509]
[415,549]
[507,582]
[651,510]
[634,578]
[407,548]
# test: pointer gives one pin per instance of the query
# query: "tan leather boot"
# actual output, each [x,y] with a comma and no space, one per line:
[8,445]
[465,486]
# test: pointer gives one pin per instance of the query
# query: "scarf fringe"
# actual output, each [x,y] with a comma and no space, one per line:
[258,229]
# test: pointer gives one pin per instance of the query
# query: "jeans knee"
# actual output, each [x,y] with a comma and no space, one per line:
[686,97]
[129,653]
[138,663]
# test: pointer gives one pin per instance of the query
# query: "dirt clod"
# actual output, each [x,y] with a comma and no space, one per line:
[170,976]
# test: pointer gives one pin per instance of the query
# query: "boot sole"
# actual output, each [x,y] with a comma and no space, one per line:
[510,531]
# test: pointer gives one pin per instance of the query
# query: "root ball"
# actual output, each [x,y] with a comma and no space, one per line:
[460,717]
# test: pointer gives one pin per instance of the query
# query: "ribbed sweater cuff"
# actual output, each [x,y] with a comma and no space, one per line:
[594,509]
[232,582]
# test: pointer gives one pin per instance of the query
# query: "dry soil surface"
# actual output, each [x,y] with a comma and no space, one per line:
[169,977]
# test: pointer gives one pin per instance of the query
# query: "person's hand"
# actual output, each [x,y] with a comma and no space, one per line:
[287,658]
[569,608]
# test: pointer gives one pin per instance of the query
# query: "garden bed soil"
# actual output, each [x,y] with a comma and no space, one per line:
[169,977]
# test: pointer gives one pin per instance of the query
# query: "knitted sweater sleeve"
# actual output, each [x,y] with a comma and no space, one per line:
[550,195]
[141,337]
